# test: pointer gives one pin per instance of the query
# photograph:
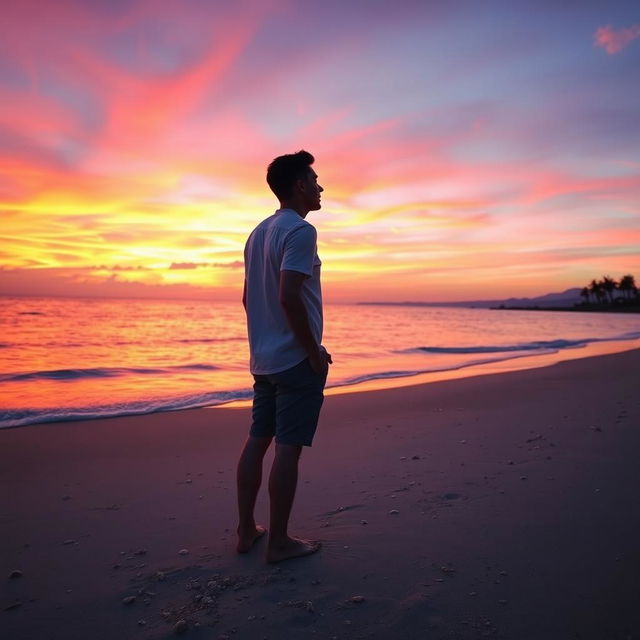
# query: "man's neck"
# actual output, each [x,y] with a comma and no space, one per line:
[294,206]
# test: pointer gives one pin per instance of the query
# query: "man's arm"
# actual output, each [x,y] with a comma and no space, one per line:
[244,295]
[291,300]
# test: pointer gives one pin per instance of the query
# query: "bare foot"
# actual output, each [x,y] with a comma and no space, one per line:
[247,540]
[292,548]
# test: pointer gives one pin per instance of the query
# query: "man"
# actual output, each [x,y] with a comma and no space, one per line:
[283,302]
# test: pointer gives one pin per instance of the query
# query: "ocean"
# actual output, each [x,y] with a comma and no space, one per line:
[71,359]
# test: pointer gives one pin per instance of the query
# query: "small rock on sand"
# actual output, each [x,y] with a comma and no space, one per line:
[184,552]
[180,627]
[394,512]
[129,600]
[357,599]
[16,573]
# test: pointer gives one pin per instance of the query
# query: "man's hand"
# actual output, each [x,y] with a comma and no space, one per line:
[293,305]
[320,361]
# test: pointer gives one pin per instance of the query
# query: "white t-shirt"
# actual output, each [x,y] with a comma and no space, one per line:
[284,241]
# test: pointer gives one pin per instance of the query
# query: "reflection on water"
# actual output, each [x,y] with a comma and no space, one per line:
[62,358]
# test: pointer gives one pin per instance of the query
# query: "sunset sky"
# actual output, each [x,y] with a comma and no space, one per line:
[468,150]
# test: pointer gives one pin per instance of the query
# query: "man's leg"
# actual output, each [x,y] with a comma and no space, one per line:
[249,477]
[283,481]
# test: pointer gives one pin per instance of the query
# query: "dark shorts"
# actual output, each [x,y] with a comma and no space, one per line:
[287,405]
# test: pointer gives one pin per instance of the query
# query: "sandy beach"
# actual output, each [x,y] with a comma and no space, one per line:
[500,506]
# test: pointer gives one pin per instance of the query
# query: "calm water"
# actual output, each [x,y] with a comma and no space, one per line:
[70,359]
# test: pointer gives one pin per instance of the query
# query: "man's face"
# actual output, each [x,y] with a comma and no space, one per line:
[312,191]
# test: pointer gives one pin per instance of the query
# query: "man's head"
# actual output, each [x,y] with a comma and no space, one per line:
[294,182]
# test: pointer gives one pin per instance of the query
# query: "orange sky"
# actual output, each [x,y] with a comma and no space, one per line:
[464,154]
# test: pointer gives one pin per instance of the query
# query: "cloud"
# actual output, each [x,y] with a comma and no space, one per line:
[187,265]
[117,267]
[615,40]
[81,283]
[236,264]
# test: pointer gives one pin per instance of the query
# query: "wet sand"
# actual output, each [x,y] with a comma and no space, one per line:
[500,506]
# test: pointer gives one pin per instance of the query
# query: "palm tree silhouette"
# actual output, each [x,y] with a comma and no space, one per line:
[628,286]
[600,290]
[609,285]
[595,287]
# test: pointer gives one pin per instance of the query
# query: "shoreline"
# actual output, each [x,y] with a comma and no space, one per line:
[500,365]
[496,504]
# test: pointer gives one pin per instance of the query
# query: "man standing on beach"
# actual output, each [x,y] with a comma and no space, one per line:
[283,302]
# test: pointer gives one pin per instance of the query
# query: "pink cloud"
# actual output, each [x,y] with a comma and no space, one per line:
[615,40]
[550,185]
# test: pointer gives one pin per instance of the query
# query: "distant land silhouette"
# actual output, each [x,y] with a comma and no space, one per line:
[599,295]
[551,300]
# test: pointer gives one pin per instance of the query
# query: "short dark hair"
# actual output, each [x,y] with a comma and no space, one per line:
[284,171]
